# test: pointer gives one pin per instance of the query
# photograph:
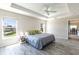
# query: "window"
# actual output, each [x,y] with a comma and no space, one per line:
[42,27]
[8,28]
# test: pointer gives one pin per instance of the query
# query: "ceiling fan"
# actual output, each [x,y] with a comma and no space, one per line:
[48,10]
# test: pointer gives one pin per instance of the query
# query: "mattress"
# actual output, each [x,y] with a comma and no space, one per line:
[40,40]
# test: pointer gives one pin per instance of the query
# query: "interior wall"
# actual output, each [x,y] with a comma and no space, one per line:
[58,27]
[24,23]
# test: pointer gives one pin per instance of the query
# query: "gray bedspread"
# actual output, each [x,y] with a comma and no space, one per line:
[40,40]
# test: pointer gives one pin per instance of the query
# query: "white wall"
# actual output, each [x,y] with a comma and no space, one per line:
[24,23]
[58,27]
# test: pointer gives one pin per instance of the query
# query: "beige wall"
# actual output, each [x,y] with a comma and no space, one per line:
[24,23]
[58,27]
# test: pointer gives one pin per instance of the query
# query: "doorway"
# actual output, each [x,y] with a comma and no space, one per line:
[73,29]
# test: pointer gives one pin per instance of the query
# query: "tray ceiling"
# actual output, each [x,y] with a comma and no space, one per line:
[37,9]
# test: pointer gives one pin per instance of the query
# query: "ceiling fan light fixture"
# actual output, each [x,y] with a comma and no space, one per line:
[48,10]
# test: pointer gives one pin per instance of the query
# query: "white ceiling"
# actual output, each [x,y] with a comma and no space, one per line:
[37,9]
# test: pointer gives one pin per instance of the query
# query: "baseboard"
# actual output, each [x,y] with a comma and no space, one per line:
[62,38]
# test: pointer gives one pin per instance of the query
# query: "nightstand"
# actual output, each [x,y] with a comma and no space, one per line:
[23,39]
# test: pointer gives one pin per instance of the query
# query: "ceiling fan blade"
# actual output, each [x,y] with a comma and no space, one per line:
[47,7]
[51,11]
[47,13]
[48,10]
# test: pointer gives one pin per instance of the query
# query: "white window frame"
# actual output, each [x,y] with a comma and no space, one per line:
[3,37]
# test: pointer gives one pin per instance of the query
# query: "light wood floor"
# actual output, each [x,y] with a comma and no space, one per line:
[60,47]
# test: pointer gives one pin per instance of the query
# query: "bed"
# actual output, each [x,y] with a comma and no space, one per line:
[40,40]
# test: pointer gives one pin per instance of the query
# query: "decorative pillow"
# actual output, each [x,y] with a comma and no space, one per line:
[38,31]
[33,32]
